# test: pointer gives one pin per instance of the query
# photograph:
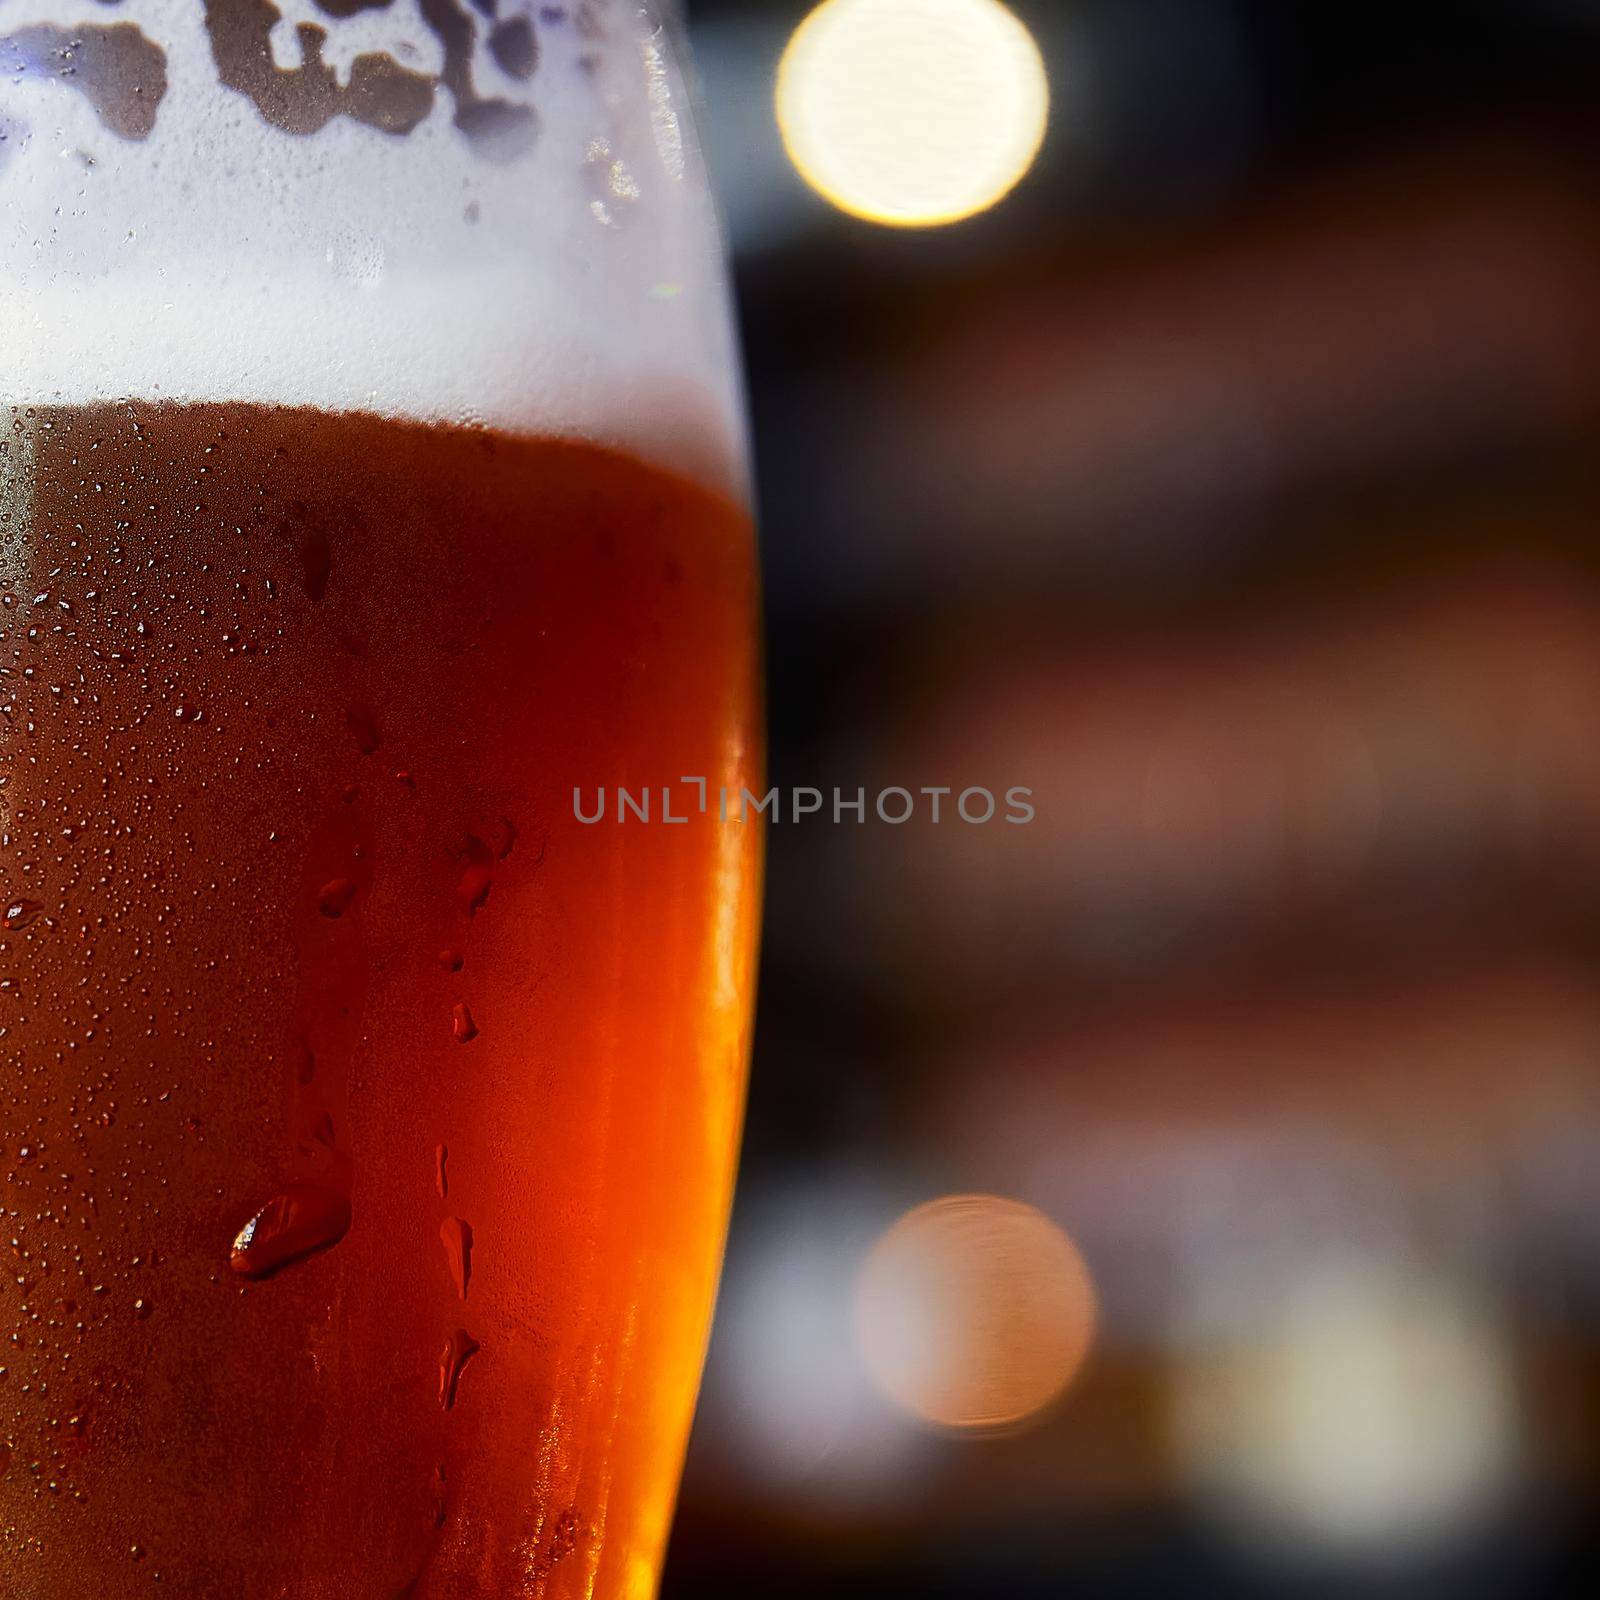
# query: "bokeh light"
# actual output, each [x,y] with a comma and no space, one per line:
[974,1311]
[1365,1409]
[795,1403]
[912,113]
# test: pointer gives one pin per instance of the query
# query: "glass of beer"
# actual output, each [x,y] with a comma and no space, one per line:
[371,499]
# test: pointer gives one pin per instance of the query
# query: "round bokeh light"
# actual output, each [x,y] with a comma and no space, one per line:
[912,113]
[974,1311]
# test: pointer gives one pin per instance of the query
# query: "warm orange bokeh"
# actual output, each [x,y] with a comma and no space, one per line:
[974,1311]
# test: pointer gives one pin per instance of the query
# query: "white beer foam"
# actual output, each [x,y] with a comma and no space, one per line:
[577,290]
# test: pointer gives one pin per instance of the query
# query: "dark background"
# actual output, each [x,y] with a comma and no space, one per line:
[1232,486]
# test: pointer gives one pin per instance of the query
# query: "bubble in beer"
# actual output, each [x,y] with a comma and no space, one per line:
[304,1218]
[358,257]
[462,1026]
[458,1350]
[335,897]
[456,1237]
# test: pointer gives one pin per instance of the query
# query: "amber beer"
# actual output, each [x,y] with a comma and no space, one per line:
[369,1121]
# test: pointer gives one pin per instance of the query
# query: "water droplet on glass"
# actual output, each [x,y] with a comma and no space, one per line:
[303,1218]
[464,1029]
[316,564]
[472,890]
[450,960]
[456,1237]
[19,913]
[503,837]
[336,896]
[458,1350]
[441,1178]
[363,729]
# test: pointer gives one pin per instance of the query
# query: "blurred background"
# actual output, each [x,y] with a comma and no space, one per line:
[1194,1191]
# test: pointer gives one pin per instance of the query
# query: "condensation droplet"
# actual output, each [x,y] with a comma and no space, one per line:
[456,1237]
[363,729]
[441,1177]
[335,898]
[19,913]
[450,960]
[472,889]
[290,1226]
[316,564]
[458,1350]
[464,1029]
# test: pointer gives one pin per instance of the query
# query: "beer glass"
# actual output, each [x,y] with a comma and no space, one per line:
[372,488]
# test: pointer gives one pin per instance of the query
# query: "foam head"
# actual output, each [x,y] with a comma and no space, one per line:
[394,206]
